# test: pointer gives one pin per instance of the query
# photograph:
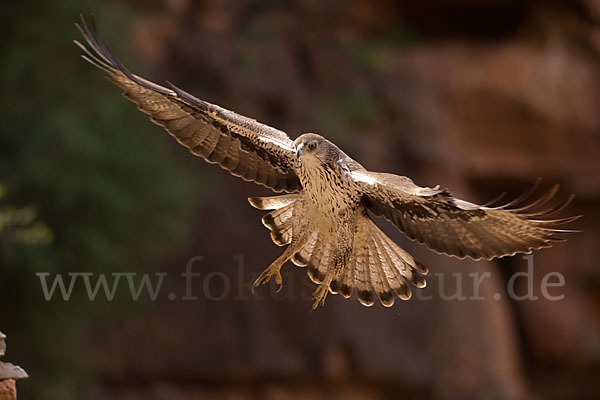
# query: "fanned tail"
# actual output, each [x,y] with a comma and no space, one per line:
[379,267]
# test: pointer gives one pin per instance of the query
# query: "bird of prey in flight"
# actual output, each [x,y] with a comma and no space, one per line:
[324,217]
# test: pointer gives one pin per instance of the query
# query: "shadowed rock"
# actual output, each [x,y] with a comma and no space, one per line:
[9,373]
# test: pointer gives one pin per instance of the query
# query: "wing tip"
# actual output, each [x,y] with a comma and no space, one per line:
[105,58]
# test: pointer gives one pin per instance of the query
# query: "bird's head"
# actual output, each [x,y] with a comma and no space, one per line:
[313,147]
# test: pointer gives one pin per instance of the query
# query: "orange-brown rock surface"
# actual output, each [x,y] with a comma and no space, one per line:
[8,374]
[479,96]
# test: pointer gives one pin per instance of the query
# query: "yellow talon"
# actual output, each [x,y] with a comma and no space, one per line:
[319,296]
[266,276]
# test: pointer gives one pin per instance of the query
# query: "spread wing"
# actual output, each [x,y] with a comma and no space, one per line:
[243,146]
[458,228]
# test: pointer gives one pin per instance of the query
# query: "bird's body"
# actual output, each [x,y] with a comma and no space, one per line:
[325,217]
[326,178]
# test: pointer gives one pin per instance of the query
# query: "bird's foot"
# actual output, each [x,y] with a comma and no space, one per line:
[266,276]
[319,296]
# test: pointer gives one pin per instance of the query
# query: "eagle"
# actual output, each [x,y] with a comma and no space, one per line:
[325,214]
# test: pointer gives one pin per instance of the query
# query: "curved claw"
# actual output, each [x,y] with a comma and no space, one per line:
[266,276]
[261,280]
[279,288]
[319,296]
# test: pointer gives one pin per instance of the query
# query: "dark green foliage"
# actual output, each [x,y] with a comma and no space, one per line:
[20,225]
[98,174]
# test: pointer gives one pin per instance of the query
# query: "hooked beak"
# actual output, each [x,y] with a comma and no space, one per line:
[299,152]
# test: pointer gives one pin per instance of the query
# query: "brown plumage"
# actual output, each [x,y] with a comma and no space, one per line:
[324,220]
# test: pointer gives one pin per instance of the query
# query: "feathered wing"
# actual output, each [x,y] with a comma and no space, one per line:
[458,228]
[243,146]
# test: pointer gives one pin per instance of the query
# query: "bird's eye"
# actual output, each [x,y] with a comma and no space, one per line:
[312,146]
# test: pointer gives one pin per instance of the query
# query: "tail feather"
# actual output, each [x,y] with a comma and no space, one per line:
[280,221]
[273,202]
[302,257]
[347,281]
[404,262]
[379,276]
[359,263]
[277,218]
[397,281]
[315,259]
[394,282]
[321,260]
[376,267]
[283,235]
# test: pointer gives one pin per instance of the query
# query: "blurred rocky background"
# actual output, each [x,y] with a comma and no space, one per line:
[480,96]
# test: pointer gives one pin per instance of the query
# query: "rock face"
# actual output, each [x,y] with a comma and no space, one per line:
[8,389]
[8,374]
[479,96]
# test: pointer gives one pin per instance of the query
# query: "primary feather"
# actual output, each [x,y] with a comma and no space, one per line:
[243,146]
